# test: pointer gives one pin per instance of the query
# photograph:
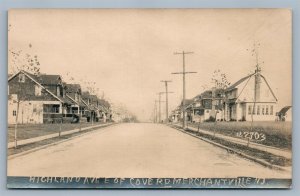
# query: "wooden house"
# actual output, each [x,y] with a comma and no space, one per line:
[250,98]
[31,102]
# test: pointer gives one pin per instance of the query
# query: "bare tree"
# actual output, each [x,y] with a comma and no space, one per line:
[219,80]
[25,61]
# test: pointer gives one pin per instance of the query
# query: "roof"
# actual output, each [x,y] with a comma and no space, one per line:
[93,98]
[208,94]
[34,78]
[187,102]
[66,100]
[49,79]
[284,110]
[85,94]
[73,88]
[239,82]
[103,102]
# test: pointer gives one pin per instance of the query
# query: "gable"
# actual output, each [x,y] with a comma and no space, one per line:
[26,89]
[246,91]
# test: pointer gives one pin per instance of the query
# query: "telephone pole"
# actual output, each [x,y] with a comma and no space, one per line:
[155,111]
[167,99]
[183,53]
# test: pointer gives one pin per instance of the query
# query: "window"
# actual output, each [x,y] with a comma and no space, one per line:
[263,110]
[253,112]
[207,104]
[267,110]
[21,77]
[258,110]
[37,90]
[271,110]
[249,109]
[14,113]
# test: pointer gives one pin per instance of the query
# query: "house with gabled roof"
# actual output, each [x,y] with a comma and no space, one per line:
[249,98]
[90,109]
[31,102]
[207,105]
[78,107]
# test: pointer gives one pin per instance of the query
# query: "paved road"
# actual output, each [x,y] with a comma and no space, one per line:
[136,150]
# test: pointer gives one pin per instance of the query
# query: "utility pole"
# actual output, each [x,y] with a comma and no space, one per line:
[167,99]
[159,106]
[183,53]
[155,111]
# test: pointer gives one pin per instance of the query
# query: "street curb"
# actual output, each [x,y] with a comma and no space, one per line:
[55,143]
[262,162]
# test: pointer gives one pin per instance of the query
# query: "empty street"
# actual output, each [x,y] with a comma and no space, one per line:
[136,150]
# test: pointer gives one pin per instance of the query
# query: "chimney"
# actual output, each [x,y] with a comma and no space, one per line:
[257,84]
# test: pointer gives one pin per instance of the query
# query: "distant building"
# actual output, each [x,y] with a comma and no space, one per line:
[250,97]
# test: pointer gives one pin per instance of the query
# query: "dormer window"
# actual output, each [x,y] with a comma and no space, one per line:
[21,77]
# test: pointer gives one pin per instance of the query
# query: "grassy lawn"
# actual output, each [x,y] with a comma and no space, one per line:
[42,143]
[268,157]
[276,134]
[34,130]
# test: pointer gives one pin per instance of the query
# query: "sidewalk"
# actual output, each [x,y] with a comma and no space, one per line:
[270,149]
[49,136]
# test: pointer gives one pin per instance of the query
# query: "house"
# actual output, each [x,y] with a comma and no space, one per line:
[54,84]
[175,114]
[250,98]
[31,102]
[104,109]
[78,107]
[207,106]
[285,114]
[94,104]
[89,110]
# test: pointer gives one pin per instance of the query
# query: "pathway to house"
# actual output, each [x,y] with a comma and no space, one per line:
[137,150]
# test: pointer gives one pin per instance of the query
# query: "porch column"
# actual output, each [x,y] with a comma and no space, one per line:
[60,108]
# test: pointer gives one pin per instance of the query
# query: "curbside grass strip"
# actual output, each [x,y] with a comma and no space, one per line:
[262,162]
[49,136]
[273,150]
[57,142]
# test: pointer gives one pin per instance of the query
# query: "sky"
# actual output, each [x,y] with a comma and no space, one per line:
[127,52]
